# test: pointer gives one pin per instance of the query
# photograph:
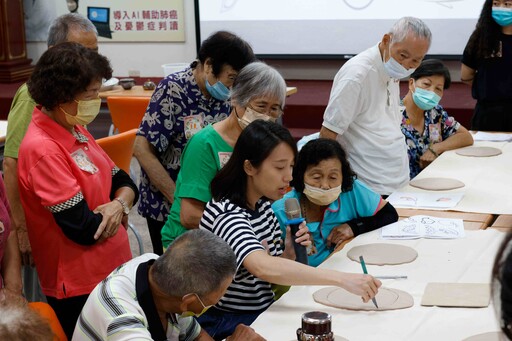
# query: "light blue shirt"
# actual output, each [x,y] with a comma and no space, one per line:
[361,201]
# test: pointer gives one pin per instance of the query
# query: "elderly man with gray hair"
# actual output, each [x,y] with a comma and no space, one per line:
[68,27]
[363,111]
[156,298]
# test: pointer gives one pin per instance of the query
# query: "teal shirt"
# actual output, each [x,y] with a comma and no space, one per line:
[204,155]
[361,201]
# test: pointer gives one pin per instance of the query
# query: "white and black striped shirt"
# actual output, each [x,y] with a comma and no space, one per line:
[244,230]
[121,307]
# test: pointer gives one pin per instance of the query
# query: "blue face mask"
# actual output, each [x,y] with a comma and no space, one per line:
[425,99]
[395,69]
[502,16]
[218,90]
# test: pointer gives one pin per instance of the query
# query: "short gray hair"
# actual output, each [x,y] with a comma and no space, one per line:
[59,29]
[407,25]
[257,79]
[198,262]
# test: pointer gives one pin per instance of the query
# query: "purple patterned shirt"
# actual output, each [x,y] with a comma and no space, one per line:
[177,110]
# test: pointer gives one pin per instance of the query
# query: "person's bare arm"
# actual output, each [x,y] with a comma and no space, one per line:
[461,138]
[191,212]
[11,265]
[144,153]
[244,333]
[18,215]
[287,272]
[466,74]
[327,133]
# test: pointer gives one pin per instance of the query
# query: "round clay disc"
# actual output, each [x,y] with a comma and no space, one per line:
[491,336]
[336,338]
[387,299]
[479,151]
[436,184]
[383,254]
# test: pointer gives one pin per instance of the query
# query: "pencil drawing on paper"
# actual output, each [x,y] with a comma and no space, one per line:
[424,226]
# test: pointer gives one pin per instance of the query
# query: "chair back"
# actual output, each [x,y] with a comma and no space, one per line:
[47,312]
[119,148]
[127,112]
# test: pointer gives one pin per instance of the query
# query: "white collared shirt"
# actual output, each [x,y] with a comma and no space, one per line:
[364,111]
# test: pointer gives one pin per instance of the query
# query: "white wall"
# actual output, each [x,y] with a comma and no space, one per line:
[147,58]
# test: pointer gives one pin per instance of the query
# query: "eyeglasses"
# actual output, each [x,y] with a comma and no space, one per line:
[274,112]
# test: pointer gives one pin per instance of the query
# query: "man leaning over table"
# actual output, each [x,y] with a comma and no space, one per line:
[68,27]
[156,298]
[363,110]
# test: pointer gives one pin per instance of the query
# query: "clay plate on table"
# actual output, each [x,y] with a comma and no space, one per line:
[387,299]
[479,151]
[383,254]
[336,338]
[437,184]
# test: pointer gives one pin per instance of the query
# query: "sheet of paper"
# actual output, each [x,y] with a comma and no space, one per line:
[422,226]
[483,136]
[418,199]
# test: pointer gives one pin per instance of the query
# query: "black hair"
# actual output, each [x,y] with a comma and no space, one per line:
[255,144]
[433,67]
[316,151]
[225,48]
[502,274]
[64,71]
[485,39]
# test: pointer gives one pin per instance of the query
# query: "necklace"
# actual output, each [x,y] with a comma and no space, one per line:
[315,213]
[303,207]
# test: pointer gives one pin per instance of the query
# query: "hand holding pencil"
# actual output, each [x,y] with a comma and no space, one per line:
[363,265]
[363,285]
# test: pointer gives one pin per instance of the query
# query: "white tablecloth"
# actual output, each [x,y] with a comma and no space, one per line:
[467,260]
[488,180]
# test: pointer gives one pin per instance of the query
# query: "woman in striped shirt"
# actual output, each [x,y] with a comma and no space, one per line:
[258,172]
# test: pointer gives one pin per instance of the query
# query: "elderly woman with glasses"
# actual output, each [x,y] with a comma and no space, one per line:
[258,92]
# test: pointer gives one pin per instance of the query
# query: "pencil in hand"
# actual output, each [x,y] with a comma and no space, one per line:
[363,265]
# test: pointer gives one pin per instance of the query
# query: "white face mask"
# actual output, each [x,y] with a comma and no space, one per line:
[321,197]
[395,69]
[251,115]
[86,112]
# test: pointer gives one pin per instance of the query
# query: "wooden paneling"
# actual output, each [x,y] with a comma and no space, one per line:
[14,65]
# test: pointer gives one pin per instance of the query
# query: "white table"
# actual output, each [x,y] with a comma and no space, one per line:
[467,260]
[488,180]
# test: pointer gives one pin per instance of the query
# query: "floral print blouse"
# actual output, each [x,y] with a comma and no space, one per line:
[176,112]
[438,127]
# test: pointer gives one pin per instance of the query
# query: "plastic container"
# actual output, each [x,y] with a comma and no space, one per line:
[173,67]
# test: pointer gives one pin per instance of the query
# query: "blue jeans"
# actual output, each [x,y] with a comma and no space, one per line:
[220,324]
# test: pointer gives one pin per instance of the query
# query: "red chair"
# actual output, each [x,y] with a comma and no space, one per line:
[45,311]
[120,149]
[126,112]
